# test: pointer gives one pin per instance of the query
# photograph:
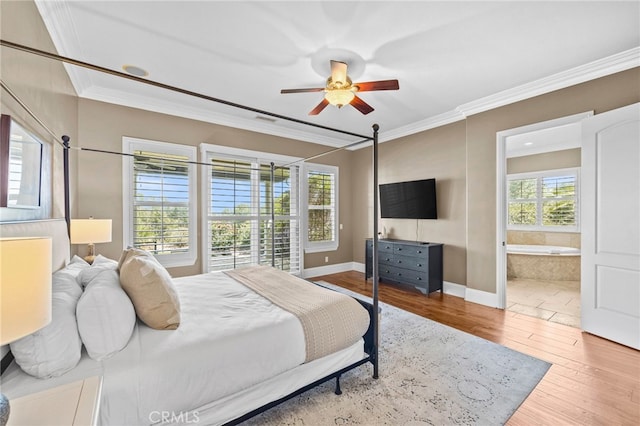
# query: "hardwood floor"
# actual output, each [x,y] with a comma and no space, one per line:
[592,381]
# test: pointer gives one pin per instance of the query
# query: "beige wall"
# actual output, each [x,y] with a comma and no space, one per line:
[469,220]
[42,84]
[562,159]
[599,95]
[102,126]
[439,153]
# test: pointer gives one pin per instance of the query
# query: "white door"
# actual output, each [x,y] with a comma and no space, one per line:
[611,225]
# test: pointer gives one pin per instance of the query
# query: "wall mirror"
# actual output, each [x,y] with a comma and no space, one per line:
[23,177]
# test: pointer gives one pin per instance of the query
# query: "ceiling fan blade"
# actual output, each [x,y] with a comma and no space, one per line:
[377,85]
[361,105]
[315,89]
[320,107]
[338,72]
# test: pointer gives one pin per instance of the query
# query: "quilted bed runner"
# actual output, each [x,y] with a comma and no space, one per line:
[331,321]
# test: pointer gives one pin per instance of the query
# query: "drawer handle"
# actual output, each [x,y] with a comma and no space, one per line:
[419,265]
[419,251]
[399,248]
[419,278]
[399,262]
[387,259]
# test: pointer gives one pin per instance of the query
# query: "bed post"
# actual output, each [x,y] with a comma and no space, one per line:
[65,156]
[374,259]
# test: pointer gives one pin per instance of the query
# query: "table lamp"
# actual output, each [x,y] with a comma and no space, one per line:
[90,231]
[25,292]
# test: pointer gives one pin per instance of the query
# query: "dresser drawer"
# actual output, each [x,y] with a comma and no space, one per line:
[410,250]
[386,259]
[385,247]
[388,271]
[416,278]
[410,262]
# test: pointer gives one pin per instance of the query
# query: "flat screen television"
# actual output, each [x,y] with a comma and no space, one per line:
[409,200]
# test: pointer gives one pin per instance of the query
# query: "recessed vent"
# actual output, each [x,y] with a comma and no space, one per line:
[263,118]
[137,71]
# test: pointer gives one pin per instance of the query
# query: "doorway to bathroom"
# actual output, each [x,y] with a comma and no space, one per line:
[538,229]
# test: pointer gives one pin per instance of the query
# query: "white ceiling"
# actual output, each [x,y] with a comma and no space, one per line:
[452,59]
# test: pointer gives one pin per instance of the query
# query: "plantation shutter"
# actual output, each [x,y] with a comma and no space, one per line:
[239,215]
[558,200]
[523,201]
[321,204]
[161,203]
[544,200]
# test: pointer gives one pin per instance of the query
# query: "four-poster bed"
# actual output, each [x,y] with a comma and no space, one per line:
[347,358]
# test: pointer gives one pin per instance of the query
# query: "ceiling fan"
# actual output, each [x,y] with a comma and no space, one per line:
[340,90]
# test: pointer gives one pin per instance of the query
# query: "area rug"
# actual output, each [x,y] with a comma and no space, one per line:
[429,374]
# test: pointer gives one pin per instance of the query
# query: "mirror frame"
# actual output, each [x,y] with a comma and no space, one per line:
[43,209]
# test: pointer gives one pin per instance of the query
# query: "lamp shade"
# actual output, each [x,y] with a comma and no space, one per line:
[90,231]
[25,286]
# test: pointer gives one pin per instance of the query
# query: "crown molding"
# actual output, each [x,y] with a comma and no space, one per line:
[596,69]
[600,68]
[56,17]
[422,125]
[202,114]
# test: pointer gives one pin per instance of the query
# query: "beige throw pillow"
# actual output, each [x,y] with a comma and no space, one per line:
[150,288]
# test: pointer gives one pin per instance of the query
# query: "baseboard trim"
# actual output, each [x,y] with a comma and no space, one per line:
[481,297]
[453,289]
[331,269]
[458,290]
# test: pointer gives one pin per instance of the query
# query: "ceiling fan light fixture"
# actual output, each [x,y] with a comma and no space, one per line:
[339,98]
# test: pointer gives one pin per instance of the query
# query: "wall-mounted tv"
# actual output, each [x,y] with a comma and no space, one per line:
[409,200]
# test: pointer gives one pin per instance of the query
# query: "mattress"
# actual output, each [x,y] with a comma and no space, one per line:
[234,351]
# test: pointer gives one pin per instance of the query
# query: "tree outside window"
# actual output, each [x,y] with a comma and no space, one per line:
[544,200]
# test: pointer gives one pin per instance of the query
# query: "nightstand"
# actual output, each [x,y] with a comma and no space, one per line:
[76,403]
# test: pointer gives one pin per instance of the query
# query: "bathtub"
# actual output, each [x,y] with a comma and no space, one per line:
[540,262]
[542,250]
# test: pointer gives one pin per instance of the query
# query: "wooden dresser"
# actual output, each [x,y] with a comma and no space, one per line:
[414,263]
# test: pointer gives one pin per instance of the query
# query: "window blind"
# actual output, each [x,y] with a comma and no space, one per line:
[321,204]
[160,202]
[239,215]
[558,200]
[543,199]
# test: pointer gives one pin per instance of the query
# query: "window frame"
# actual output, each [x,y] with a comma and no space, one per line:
[324,246]
[539,200]
[239,154]
[129,145]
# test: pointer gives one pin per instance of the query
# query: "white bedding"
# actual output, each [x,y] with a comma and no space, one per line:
[223,351]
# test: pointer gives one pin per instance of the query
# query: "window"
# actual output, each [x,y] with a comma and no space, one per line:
[543,200]
[238,216]
[159,200]
[25,173]
[322,205]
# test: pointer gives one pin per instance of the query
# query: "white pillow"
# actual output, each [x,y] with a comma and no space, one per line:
[55,349]
[99,264]
[105,315]
[76,264]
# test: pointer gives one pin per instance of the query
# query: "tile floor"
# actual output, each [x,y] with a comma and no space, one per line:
[555,301]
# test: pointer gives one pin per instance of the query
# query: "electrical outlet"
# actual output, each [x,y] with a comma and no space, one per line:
[341,227]
[326,259]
